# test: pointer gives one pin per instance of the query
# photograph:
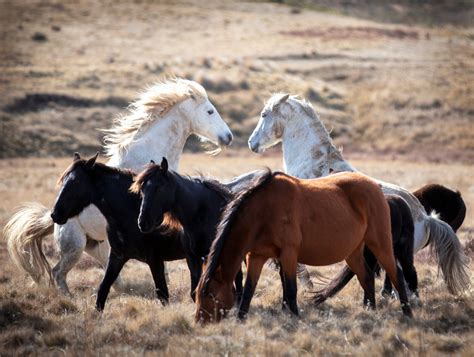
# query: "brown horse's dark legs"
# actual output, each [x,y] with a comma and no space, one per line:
[290,288]
[365,275]
[238,286]
[288,263]
[387,262]
[284,303]
[387,287]
[254,268]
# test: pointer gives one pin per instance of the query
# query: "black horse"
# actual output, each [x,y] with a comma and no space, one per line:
[195,203]
[402,235]
[88,182]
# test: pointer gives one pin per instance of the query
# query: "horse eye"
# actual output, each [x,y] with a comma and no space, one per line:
[264,115]
[210,112]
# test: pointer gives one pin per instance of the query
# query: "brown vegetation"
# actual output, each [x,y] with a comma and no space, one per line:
[70,68]
[40,320]
[390,92]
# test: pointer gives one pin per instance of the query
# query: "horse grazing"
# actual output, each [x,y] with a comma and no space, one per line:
[309,152]
[195,203]
[315,222]
[88,182]
[447,203]
[402,240]
[159,123]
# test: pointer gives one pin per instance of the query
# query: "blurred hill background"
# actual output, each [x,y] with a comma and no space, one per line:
[390,78]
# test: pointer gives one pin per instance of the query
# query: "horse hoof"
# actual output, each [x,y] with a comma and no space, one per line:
[407,311]
[386,293]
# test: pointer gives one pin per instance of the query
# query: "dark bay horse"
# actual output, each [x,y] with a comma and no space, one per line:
[315,222]
[195,203]
[402,236]
[88,182]
[444,201]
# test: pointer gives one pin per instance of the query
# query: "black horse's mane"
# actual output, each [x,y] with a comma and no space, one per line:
[151,169]
[228,217]
[97,165]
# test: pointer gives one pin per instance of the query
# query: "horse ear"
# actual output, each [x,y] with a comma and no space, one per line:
[76,156]
[91,162]
[152,162]
[284,98]
[164,165]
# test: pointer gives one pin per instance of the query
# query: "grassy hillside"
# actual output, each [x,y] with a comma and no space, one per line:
[70,68]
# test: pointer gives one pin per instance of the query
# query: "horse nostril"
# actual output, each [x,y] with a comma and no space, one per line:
[254,147]
[229,138]
[225,140]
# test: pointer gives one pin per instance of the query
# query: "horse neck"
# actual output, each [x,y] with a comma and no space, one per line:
[111,195]
[165,137]
[308,150]
[188,199]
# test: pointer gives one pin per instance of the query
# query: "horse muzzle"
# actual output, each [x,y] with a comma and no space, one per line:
[225,140]
[57,218]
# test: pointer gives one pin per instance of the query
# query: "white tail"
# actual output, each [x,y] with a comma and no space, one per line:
[24,234]
[448,251]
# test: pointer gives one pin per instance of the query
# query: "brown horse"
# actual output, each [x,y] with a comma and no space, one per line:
[315,222]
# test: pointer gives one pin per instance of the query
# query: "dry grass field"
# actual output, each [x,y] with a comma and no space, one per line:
[38,320]
[394,82]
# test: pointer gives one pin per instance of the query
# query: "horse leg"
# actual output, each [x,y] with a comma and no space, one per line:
[71,241]
[254,268]
[157,268]
[357,263]
[284,303]
[114,267]
[238,286]
[289,262]
[100,251]
[387,290]
[409,272]
[195,270]
[384,254]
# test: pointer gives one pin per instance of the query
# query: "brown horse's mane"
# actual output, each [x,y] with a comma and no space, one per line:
[98,165]
[228,217]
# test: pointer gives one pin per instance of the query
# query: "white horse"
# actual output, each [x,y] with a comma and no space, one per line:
[158,125]
[309,152]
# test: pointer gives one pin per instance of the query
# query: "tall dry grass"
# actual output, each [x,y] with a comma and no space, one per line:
[39,320]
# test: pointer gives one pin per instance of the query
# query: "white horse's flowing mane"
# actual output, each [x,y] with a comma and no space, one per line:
[155,102]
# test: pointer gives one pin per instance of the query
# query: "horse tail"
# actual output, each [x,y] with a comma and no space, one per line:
[448,251]
[461,215]
[24,234]
[334,286]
